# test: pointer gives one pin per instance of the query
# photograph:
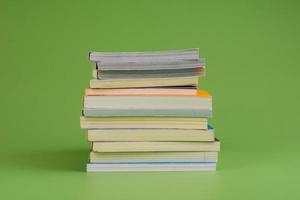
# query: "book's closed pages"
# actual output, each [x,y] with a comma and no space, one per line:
[138,157]
[144,122]
[144,57]
[144,82]
[155,146]
[150,134]
[144,167]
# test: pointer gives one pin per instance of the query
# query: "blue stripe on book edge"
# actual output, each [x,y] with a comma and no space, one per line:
[210,127]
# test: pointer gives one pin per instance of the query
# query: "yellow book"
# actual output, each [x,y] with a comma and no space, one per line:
[155,146]
[98,157]
[144,122]
[144,82]
[143,134]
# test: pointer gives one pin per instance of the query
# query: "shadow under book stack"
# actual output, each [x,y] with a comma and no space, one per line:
[144,112]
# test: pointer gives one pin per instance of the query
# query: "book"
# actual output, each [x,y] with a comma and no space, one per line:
[149,66]
[150,134]
[154,146]
[139,74]
[144,167]
[164,91]
[144,122]
[144,82]
[146,112]
[195,106]
[148,102]
[150,56]
[139,157]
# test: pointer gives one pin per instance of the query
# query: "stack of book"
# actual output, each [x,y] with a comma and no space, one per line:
[144,111]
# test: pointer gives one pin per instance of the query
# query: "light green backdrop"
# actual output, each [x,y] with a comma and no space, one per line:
[252,51]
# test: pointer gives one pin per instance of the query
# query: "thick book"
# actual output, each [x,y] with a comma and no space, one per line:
[195,106]
[139,157]
[144,82]
[148,102]
[148,167]
[144,122]
[150,134]
[154,146]
[150,56]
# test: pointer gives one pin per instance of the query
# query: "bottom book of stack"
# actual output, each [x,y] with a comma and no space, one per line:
[153,156]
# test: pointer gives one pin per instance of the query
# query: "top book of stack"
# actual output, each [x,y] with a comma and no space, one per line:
[146,69]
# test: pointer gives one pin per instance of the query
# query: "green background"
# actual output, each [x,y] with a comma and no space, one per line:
[252,52]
